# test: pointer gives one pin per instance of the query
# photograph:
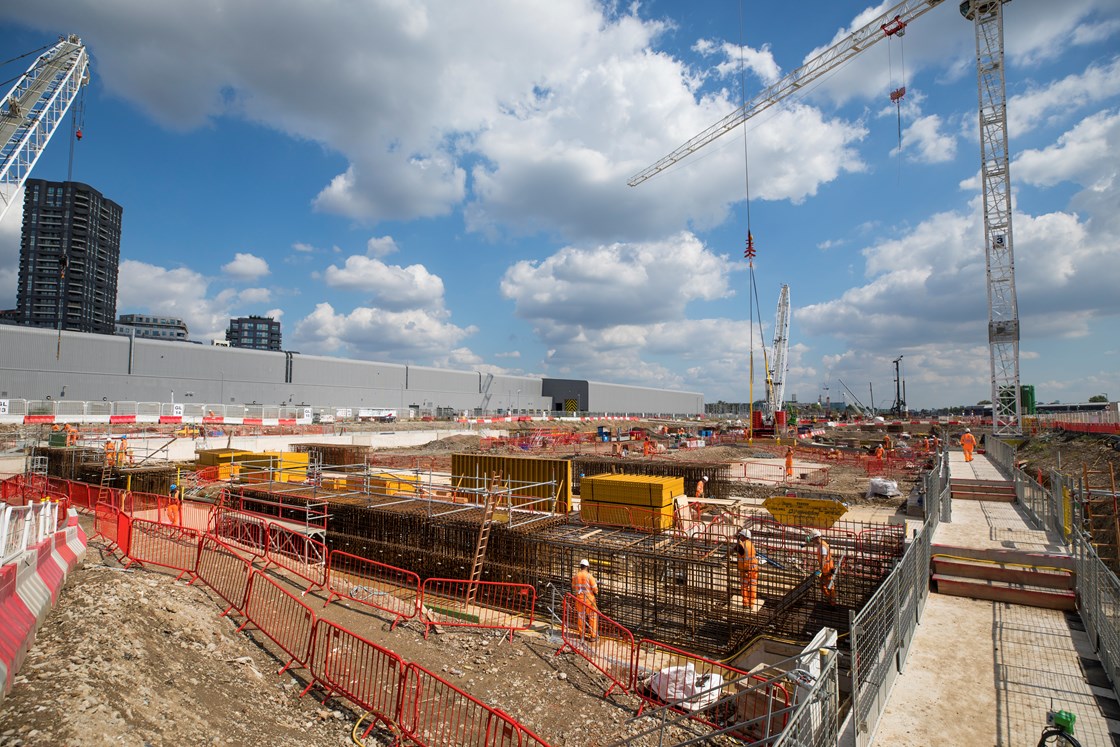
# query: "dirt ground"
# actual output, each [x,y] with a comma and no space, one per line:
[135,658]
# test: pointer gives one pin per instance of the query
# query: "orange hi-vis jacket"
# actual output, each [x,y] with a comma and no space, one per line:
[968,441]
[747,558]
[584,586]
[825,560]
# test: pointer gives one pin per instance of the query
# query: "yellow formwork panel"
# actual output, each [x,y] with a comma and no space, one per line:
[622,515]
[469,471]
[385,483]
[651,491]
[215,457]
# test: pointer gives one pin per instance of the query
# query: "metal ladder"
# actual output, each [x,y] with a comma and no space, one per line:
[493,496]
[1102,513]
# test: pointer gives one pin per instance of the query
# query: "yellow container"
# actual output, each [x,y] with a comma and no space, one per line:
[533,479]
[215,457]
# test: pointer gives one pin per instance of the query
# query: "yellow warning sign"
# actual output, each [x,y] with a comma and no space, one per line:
[821,513]
[571,405]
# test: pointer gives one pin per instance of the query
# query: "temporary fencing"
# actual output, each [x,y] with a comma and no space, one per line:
[477,604]
[612,651]
[366,674]
[248,533]
[302,555]
[384,587]
[663,674]
[435,713]
[815,475]
[224,571]
[152,543]
[279,615]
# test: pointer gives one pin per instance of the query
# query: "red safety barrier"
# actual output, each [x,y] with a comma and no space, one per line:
[435,713]
[606,644]
[384,587]
[248,533]
[280,616]
[478,604]
[364,673]
[167,546]
[663,673]
[298,553]
[224,571]
[105,524]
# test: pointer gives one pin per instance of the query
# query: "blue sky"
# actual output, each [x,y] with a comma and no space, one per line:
[444,183]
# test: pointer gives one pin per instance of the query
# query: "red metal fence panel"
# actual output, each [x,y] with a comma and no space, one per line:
[279,615]
[168,546]
[435,713]
[384,587]
[607,645]
[298,553]
[224,571]
[479,604]
[366,674]
[247,533]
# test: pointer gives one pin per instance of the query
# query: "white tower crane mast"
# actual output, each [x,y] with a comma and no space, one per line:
[987,17]
[32,110]
[777,373]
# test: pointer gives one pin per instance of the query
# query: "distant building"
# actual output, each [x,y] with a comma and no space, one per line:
[154,327]
[256,332]
[69,253]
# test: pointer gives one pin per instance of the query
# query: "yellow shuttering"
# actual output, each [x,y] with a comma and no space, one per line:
[388,484]
[214,457]
[527,477]
[272,466]
[622,515]
[648,491]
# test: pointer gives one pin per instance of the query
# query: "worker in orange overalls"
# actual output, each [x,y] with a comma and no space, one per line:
[968,443]
[887,443]
[110,452]
[747,562]
[822,554]
[789,461]
[71,434]
[879,455]
[584,588]
[174,506]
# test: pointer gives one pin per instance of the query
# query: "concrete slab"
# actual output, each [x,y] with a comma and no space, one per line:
[996,525]
[985,673]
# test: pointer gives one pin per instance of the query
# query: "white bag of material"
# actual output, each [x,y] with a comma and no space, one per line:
[678,683]
[883,486]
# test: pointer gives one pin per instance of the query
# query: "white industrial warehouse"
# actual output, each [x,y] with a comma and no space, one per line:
[41,370]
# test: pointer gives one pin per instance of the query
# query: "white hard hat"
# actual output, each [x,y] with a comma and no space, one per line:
[744,533]
[968,430]
[813,535]
[585,563]
[704,478]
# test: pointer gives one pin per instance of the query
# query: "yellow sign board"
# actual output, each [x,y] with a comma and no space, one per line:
[821,513]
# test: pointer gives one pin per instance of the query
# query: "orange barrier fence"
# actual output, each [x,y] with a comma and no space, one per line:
[604,643]
[435,713]
[384,587]
[366,674]
[224,571]
[426,708]
[152,543]
[280,616]
[477,604]
[298,553]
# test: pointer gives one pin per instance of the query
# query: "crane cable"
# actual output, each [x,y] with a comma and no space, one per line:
[753,310]
[894,28]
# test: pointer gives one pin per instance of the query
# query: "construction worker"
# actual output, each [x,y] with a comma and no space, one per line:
[968,443]
[110,453]
[747,562]
[789,462]
[71,434]
[584,588]
[174,505]
[822,555]
[701,484]
[887,443]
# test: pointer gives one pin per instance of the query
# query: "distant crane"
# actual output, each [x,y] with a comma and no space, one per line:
[775,395]
[987,19]
[857,404]
[31,112]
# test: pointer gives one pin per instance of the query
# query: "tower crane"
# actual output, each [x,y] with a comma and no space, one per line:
[33,109]
[780,362]
[987,19]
